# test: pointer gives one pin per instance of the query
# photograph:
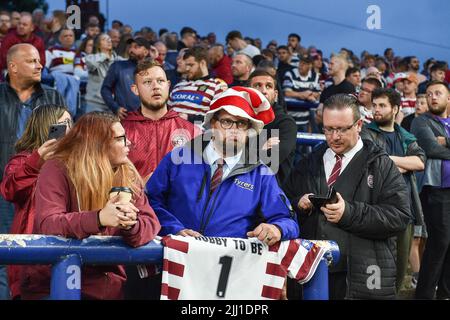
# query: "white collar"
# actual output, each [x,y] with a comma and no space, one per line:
[211,156]
[349,154]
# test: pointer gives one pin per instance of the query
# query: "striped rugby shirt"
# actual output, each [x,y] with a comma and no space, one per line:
[212,268]
[408,106]
[194,97]
[60,59]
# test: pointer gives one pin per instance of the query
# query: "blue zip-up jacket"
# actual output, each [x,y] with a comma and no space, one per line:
[116,86]
[178,191]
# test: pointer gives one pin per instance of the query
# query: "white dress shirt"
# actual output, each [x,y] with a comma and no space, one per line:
[329,158]
[211,156]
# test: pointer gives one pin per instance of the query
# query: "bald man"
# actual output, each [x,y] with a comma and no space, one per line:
[23,34]
[20,94]
[220,63]
[22,91]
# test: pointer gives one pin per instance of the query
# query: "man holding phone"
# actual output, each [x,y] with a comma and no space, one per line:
[372,204]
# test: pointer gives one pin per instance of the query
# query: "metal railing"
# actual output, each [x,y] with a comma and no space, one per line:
[310,139]
[68,255]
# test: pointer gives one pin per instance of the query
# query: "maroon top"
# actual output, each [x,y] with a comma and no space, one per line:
[222,70]
[153,139]
[57,214]
[12,39]
[18,186]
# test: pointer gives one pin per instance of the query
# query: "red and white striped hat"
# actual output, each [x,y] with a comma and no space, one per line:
[242,102]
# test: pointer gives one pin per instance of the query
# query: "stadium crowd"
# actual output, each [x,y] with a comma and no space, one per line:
[131,102]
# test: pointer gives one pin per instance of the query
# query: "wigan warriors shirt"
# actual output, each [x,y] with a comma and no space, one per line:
[210,268]
[194,97]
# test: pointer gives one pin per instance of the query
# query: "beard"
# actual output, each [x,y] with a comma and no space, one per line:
[437,110]
[384,121]
[197,75]
[272,100]
[154,106]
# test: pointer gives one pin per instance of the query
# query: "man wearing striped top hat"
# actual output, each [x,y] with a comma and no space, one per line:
[213,187]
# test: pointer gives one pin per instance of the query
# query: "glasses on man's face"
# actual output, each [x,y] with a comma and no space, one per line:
[240,124]
[123,138]
[67,122]
[339,131]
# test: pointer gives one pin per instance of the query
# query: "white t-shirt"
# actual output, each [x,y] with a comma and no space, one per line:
[211,268]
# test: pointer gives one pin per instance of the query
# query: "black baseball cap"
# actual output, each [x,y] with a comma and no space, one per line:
[140,41]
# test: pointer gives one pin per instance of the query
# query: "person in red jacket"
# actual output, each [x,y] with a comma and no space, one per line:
[153,130]
[72,200]
[23,34]
[21,173]
[220,63]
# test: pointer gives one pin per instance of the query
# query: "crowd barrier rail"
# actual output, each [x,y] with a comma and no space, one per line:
[68,255]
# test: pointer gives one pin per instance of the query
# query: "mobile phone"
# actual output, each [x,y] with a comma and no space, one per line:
[322,200]
[56,131]
[332,196]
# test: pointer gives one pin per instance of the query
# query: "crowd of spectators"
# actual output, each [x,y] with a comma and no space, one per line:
[385,124]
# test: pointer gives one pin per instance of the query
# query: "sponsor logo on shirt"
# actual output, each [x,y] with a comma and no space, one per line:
[370,181]
[189,97]
[179,137]
[67,60]
[203,88]
[244,185]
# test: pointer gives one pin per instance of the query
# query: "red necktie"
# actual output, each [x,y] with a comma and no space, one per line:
[217,176]
[336,171]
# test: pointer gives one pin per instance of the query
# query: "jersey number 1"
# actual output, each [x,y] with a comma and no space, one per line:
[225,261]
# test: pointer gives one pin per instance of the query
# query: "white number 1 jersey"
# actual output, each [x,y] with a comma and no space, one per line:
[210,268]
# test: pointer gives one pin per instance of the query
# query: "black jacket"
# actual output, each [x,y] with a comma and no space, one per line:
[376,209]
[10,105]
[288,141]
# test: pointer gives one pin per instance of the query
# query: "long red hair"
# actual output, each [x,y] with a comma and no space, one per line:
[84,151]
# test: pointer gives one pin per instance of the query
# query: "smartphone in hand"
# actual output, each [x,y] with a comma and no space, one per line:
[322,200]
[56,131]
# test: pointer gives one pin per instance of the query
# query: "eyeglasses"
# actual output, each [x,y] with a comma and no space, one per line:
[240,124]
[124,138]
[340,131]
[67,122]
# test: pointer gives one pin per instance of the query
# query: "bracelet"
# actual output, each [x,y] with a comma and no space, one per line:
[98,220]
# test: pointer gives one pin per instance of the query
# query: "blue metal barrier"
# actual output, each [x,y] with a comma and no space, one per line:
[67,256]
[310,139]
[295,104]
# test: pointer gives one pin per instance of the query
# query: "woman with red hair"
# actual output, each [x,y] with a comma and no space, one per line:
[72,200]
